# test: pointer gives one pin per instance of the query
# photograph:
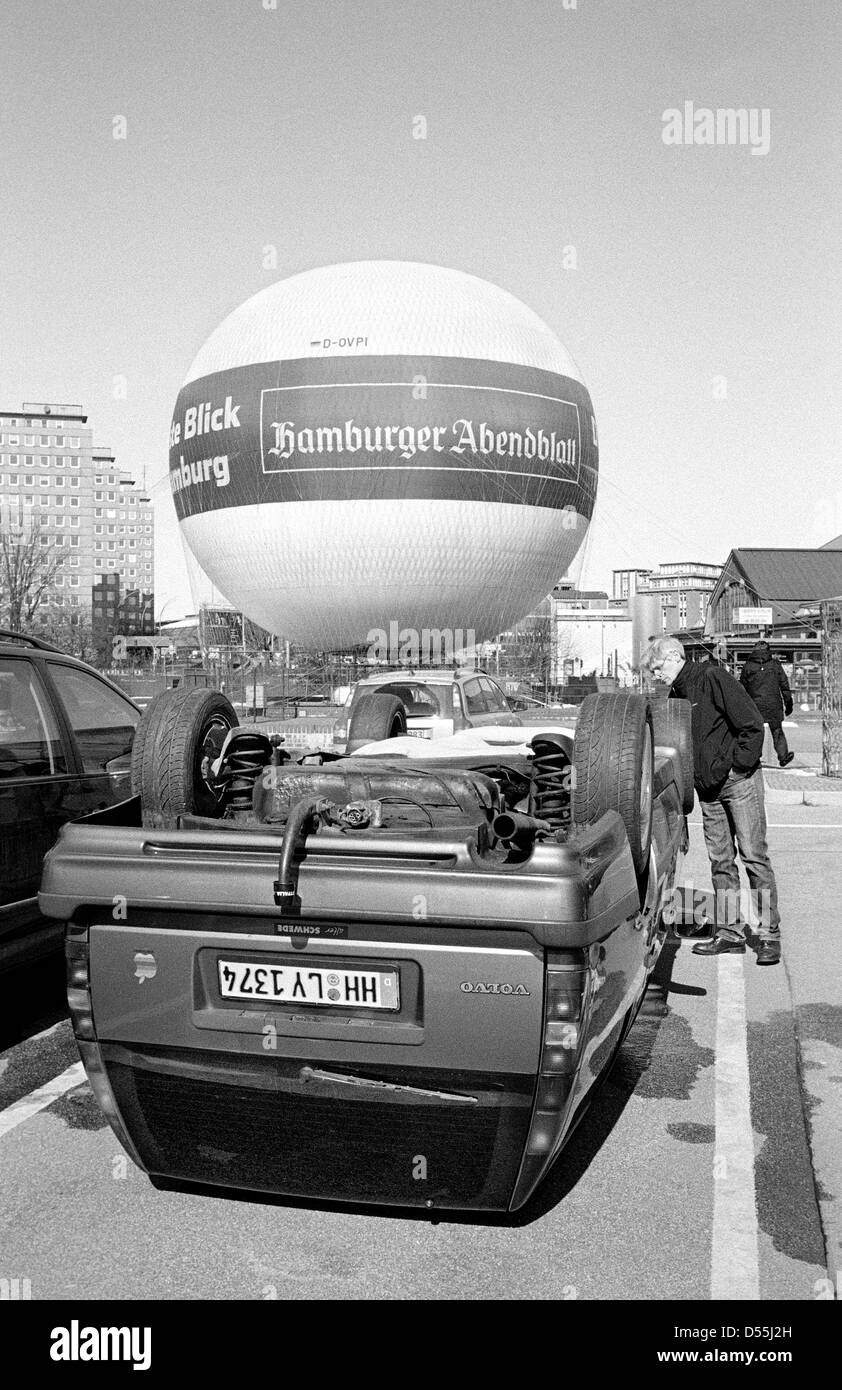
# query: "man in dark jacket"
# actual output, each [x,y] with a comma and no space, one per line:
[764,678]
[727,743]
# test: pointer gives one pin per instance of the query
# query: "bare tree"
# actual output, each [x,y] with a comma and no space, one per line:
[28,567]
[526,652]
[67,628]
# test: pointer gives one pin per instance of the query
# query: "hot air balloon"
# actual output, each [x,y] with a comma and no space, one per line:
[380,443]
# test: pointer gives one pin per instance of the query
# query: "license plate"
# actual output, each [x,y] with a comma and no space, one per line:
[420,733]
[317,985]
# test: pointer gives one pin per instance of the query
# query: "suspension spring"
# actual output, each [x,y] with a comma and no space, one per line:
[549,797]
[244,763]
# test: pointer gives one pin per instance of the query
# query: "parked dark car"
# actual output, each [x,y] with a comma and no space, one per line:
[66,735]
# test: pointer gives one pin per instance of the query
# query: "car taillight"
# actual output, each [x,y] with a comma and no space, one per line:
[78,984]
[77,953]
[567,995]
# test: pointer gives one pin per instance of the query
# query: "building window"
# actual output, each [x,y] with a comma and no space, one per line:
[97,496]
[74,501]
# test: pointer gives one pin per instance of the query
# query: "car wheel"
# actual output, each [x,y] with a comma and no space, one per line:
[187,727]
[376,717]
[614,766]
[141,734]
[672,724]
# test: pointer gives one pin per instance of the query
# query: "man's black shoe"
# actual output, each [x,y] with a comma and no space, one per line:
[787,760]
[719,947]
[768,952]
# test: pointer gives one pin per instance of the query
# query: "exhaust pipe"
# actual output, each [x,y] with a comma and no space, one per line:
[515,827]
[295,831]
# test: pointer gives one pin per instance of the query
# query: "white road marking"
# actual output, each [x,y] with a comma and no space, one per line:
[734,1255]
[28,1106]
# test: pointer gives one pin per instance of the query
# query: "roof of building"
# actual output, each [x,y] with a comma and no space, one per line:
[835,544]
[783,579]
[580,593]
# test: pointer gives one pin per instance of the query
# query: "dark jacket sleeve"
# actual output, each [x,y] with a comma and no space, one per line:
[744,678]
[744,719]
[785,690]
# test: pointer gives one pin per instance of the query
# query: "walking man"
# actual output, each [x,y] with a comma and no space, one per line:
[727,743]
[764,678]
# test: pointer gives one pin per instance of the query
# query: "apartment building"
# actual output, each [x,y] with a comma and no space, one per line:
[52,474]
[685,590]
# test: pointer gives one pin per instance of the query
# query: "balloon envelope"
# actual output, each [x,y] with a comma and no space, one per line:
[381,443]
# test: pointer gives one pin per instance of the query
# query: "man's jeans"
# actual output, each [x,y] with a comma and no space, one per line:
[779,740]
[739,813]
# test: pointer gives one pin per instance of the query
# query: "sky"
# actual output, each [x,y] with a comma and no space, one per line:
[702,300]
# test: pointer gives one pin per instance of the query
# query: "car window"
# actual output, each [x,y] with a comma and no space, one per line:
[421,701]
[474,698]
[495,700]
[102,721]
[30,745]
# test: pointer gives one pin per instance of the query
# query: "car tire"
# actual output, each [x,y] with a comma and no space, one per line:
[186,726]
[672,725]
[614,766]
[141,734]
[376,717]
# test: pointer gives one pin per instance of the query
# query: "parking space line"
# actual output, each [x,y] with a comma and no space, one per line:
[734,1255]
[28,1106]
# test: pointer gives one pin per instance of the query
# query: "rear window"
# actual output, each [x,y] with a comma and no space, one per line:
[103,722]
[421,701]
